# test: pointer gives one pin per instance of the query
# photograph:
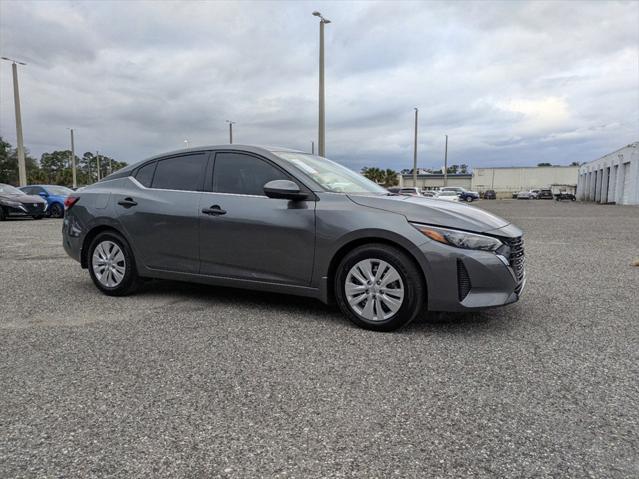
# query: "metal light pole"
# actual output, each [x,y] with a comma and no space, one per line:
[446,163]
[321,140]
[312,147]
[22,168]
[415,152]
[231,123]
[75,178]
[97,157]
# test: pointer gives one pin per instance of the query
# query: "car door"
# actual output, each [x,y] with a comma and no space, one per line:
[160,211]
[244,234]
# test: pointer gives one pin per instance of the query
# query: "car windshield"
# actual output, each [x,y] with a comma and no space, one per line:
[59,190]
[10,190]
[330,175]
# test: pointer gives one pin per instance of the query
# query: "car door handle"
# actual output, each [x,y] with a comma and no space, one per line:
[127,202]
[214,210]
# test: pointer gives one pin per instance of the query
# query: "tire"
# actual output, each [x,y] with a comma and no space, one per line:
[56,211]
[3,215]
[469,199]
[118,286]
[410,279]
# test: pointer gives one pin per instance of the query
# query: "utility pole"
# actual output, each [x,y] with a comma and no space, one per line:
[231,123]
[321,140]
[22,168]
[97,157]
[312,147]
[446,163]
[75,178]
[415,152]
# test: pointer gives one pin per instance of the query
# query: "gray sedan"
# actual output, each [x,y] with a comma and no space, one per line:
[284,221]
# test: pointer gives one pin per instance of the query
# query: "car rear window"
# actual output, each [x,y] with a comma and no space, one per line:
[145,174]
[180,173]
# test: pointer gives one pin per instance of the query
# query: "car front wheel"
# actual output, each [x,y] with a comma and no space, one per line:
[379,287]
[56,210]
[111,265]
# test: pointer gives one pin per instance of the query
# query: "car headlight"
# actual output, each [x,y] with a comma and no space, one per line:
[16,204]
[459,239]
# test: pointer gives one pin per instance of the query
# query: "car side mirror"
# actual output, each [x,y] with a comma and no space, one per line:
[284,189]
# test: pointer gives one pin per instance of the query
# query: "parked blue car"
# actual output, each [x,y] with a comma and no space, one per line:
[54,196]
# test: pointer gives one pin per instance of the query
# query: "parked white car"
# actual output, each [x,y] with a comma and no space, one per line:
[447,196]
[525,195]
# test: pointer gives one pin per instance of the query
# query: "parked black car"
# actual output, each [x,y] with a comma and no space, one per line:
[14,202]
[490,195]
[545,195]
[562,195]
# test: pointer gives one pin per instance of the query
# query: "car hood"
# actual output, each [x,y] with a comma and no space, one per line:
[435,212]
[22,198]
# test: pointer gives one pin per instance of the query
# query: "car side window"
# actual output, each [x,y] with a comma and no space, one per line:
[180,173]
[145,174]
[243,174]
[27,190]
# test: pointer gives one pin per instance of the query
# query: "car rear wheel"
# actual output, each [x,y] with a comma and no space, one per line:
[469,199]
[57,211]
[111,265]
[379,287]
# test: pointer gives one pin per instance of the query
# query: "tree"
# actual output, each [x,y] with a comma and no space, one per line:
[9,165]
[390,178]
[386,177]
[544,164]
[575,163]
[54,167]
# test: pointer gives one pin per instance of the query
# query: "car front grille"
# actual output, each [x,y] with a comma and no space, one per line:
[517,258]
[38,209]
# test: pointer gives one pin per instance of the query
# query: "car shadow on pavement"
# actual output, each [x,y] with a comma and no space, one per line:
[314,310]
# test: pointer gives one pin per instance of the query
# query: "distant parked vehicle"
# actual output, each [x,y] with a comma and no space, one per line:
[515,195]
[463,193]
[54,195]
[544,194]
[490,195]
[524,195]
[565,196]
[14,202]
[447,196]
[428,193]
[409,191]
[534,194]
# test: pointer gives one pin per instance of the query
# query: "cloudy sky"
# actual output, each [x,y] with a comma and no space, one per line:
[511,83]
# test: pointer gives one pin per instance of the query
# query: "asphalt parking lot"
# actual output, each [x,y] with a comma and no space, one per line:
[185,380]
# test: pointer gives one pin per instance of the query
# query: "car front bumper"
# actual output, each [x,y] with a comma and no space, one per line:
[26,209]
[467,280]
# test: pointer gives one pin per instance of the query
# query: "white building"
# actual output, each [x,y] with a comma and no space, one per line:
[507,180]
[613,178]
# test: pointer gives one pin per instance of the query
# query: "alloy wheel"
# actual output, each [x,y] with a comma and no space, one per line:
[108,263]
[374,289]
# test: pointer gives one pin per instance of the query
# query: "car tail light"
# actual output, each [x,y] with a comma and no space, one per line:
[70,201]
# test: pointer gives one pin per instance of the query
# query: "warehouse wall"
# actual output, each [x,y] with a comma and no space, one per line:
[613,178]
[433,181]
[509,180]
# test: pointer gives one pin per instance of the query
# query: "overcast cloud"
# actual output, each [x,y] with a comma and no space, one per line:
[511,83]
